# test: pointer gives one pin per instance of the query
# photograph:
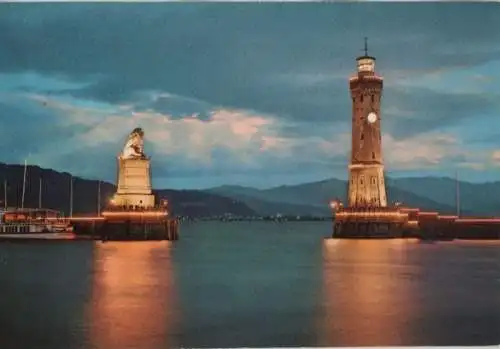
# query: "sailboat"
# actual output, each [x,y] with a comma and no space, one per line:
[32,223]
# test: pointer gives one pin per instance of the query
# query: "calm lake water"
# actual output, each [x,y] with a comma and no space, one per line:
[248,284]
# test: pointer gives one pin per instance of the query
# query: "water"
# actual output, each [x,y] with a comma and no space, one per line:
[248,284]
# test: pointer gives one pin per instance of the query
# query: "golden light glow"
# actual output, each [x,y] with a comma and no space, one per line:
[447,217]
[404,241]
[111,214]
[407,209]
[78,219]
[357,166]
[134,299]
[135,214]
[361,295]
[428,214]
[372,214]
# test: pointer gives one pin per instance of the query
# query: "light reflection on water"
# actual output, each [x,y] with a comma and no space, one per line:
[249,284]
[133,302]
[369,294]
[405,292]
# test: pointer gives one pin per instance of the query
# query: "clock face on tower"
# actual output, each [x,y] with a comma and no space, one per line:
[372,117]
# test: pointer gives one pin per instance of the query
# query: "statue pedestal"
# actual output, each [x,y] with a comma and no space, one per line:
[134,183]
[132,215]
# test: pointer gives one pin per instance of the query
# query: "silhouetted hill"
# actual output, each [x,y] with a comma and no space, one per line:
[481,198]
[271,208]
[267,204]
[410,199]
[56,194]
[197,203]
[429,193]
[317,195]
[55,189]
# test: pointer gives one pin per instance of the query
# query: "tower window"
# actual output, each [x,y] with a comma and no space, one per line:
[373,156]
[373,98]
[361,180]
[361,99]
[374,181]
[362,136]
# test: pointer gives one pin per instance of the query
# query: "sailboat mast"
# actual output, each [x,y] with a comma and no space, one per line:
[457,194]
[40,194]
[5,193]
[71,196]
[24,183]
[98,198]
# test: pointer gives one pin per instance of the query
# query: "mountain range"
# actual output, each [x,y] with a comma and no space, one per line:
[313,198]
[56,194]
[430,193]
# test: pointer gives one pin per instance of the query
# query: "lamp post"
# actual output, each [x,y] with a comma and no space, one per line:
[335,205]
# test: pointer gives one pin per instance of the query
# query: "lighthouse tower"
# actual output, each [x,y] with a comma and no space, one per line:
[366,169]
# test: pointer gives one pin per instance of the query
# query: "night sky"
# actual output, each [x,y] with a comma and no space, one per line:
[251,94]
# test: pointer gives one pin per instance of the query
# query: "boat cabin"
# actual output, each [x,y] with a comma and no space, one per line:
[29,215]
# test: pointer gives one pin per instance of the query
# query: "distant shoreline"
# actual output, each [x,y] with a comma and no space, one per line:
[257,219]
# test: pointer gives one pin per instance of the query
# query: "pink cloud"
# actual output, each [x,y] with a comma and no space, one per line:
[495,157]
[244,134]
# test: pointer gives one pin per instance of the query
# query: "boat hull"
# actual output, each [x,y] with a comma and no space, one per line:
[38,236]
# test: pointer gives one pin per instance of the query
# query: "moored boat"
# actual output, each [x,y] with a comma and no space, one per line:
[36,223]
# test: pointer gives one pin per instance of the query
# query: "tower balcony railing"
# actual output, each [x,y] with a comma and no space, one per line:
[365,164]
[135,208]
[370,209]
[370,214]
[366,77]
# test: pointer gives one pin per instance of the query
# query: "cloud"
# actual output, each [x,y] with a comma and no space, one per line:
[73,136]
[495,157]
[286,65]
[228,141]
[211,141]
[35,82]
[419,110]
[425,150]
[219,95]
[432,150]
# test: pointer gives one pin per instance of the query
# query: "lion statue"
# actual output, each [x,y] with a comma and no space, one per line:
[134,147]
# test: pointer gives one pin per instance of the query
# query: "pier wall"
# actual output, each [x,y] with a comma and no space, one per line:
[127,228]
[410,222]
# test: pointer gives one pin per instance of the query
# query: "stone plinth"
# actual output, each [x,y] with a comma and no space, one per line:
[377,222]
[140,224]
[134,183]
